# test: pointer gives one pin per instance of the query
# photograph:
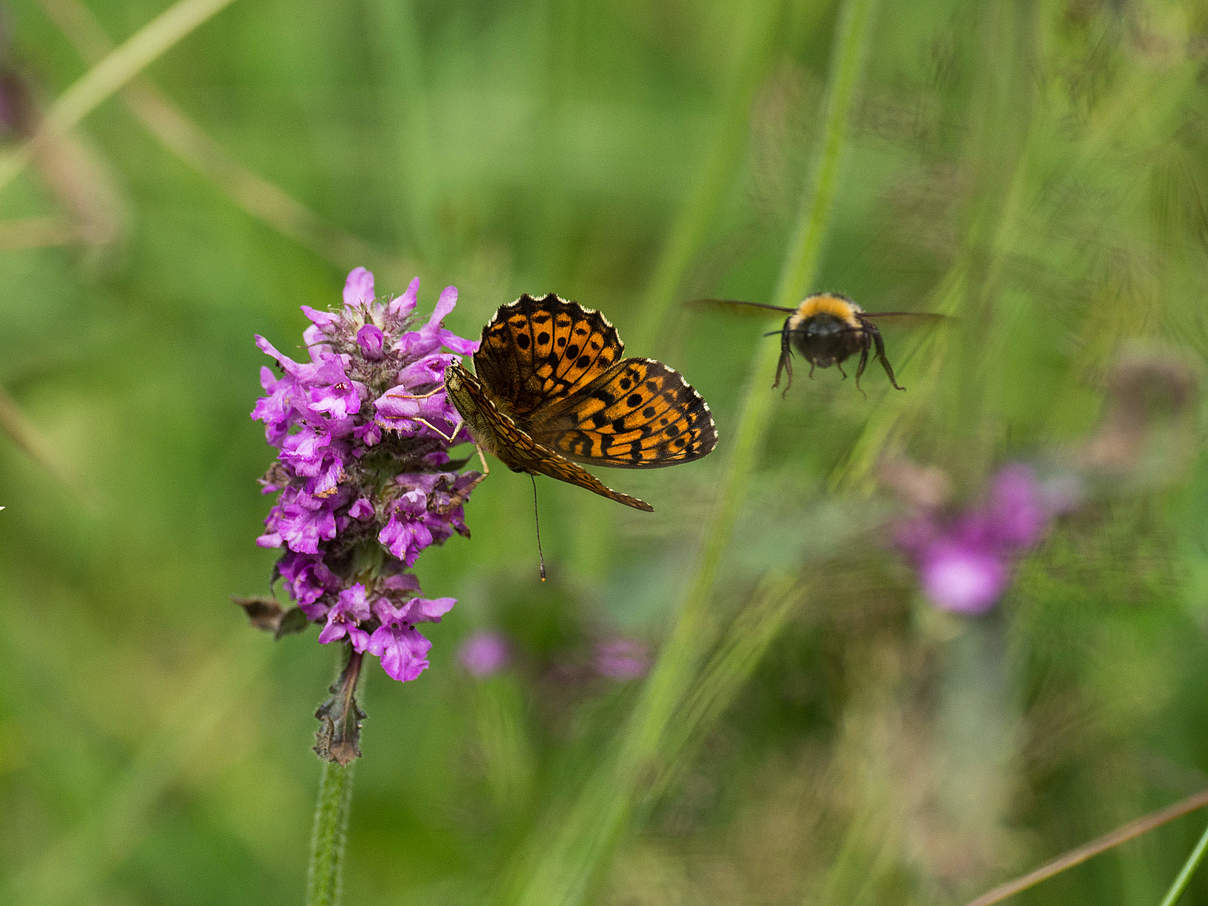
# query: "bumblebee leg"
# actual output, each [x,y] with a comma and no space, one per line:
[880,345]
[785,364]
[839,365]
[860,370]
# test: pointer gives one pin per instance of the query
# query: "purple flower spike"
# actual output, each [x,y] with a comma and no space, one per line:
[361,430]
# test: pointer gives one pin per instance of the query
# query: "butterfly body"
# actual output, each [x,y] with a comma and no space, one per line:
[552,390]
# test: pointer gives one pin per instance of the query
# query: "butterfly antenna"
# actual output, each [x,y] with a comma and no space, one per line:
[537,523]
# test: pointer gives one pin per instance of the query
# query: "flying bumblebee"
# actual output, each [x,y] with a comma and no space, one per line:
[826,329]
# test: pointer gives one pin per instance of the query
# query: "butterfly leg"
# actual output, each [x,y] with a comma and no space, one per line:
[452,438]
[418,396]
[447,438]
[461,496]
[456,500]
[486,470]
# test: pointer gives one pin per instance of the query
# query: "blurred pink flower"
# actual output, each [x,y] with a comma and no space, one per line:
[621,659]
[962,578]
[484,653]
[964,558]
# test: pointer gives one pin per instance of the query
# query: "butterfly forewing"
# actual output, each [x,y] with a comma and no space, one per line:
[538,351]
[639,414]
[551,387]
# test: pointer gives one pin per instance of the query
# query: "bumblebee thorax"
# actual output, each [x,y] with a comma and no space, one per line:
[825,338]
[832,304]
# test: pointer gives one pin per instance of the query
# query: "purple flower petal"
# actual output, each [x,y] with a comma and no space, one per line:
[401,306]
[321,319]
[358,288]
[361,509]
[403,651]
[370,339]
[343,619]
[427,610]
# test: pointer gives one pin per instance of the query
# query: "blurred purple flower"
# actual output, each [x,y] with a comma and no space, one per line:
[962,578]
[362,490]
[484,653]
[964,559]
[621,659]
[1016,507]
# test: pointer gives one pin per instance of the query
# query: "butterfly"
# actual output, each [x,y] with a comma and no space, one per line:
[827,328]
[552,390]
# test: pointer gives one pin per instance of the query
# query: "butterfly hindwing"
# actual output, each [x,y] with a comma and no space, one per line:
[500,434]
[535,352]
[638,414]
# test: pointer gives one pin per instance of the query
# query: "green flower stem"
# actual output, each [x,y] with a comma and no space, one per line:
[1193,862]
[337,745]
[563,861]
[324,878]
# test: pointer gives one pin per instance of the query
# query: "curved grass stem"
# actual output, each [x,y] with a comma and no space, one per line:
[564,860]
[104,79]
[1120,835]
[1189,867]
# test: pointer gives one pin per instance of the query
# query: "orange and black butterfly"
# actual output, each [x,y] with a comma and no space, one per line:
[552,390]
[826,329]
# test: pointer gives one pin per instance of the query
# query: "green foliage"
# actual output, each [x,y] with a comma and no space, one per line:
[812,729]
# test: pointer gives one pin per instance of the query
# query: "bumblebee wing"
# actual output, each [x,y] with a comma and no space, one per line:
[738,303]
[921,317]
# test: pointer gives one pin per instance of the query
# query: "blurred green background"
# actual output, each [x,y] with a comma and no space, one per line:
[813,730]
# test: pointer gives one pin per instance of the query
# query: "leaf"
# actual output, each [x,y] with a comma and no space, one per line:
[267,614]
[339,735]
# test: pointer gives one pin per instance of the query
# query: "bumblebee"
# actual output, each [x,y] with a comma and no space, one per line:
[826,329]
